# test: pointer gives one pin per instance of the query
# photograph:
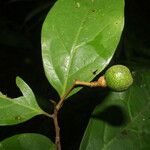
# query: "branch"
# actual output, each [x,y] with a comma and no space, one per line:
[60,103]
[57,130]
[99,83]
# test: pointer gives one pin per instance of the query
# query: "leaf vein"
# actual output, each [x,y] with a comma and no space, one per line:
[73,50]
[134,118]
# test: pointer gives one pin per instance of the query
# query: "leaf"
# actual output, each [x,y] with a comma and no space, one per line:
[17,110]
[27,141]
[122,122]
[79,38]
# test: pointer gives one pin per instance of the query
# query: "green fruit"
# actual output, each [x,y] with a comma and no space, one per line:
[118,78]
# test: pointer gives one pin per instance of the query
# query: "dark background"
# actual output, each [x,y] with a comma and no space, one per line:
[20,55]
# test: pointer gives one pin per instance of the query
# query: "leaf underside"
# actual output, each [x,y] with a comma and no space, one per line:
[79,39]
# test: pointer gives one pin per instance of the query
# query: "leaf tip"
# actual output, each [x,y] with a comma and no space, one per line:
[18,81]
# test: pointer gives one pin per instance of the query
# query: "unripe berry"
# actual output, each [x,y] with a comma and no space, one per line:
[118,78]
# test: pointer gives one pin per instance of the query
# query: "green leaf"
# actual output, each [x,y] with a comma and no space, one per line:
[122,122]
[17,110]
[79,39]
[27,141]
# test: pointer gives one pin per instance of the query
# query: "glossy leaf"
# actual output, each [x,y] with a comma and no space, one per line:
[122,122]
[17,110]
[27,141]
[79,38]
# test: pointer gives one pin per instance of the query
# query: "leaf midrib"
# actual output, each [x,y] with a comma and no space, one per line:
[72,52]
[13,102]
[74,47]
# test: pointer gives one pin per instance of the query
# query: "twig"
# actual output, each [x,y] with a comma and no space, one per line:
[99,83]
[47,114]
[60,103]
[57,130]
